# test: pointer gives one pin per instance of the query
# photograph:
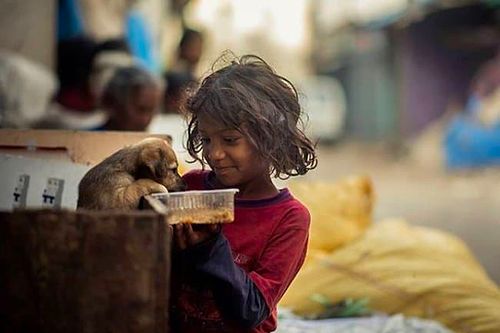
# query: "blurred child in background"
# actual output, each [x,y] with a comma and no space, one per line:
[131,98]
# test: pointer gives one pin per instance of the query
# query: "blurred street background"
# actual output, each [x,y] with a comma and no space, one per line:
[405,91]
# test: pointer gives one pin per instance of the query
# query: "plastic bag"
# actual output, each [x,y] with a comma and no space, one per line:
[340,212]
[405,269]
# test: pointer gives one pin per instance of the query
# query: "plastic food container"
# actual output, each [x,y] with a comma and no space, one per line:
[201,207]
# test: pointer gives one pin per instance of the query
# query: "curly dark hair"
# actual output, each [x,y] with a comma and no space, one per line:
[249,96]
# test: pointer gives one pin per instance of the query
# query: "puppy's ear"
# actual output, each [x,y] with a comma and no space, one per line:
[151,164]
[160,168]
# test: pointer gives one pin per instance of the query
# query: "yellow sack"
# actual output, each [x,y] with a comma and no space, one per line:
[405,269]
[340,212]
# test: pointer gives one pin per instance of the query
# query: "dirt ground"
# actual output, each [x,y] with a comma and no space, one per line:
[421,191]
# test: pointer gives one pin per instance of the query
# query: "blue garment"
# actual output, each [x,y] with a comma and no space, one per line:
[69,20]
[468,143]
[211,264]
[141,41]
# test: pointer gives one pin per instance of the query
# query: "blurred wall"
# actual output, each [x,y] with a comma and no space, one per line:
[28,28]
[278,30]
[438,58]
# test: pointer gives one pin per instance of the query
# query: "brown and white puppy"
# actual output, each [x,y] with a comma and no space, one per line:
[119,181]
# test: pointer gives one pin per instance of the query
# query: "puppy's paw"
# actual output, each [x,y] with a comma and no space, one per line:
[132,195]
[157,188]
[147,186]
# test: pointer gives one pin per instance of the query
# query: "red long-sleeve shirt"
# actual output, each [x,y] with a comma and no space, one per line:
[266,246]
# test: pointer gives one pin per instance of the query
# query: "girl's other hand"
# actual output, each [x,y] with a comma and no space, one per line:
[187,235]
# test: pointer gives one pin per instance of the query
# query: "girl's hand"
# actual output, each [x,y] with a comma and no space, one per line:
[187,235]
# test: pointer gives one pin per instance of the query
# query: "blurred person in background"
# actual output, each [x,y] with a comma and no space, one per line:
[131,98]
[487,78]
[26,90]
[108,56]
[484,95]
[189,52]
[182,73]
[472,138]
[83,79]
[177,83]
[74,64]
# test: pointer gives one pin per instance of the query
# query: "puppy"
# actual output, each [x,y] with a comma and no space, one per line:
[119,181]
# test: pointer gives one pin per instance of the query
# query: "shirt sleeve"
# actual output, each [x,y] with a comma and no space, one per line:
[282,258]
[238,296]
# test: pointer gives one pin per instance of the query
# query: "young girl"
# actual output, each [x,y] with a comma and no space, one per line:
[244,122]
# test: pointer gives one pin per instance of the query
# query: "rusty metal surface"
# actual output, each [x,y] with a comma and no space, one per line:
[66,271]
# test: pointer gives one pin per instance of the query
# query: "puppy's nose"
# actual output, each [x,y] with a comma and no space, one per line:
[179,186]
[183,186]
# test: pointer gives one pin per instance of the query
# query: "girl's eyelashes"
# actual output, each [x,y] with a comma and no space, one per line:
[226,139]
[230,139]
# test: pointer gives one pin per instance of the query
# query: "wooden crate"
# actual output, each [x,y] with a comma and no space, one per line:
[67,271]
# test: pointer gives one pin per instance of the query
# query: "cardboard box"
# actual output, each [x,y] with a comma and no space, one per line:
[42,168]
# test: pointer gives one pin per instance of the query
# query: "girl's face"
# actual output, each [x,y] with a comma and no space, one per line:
[233,158]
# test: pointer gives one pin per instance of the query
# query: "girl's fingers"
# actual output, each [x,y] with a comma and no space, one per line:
[213,228]
[187,235]
[180,236]
[171,231]
[191,236]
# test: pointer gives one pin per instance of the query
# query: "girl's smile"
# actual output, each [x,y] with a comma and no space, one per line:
[223,170]
[224,173]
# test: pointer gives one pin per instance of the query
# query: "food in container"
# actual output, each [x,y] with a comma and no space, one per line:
[198,207]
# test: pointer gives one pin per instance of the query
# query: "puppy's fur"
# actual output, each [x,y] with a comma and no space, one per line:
[119,181]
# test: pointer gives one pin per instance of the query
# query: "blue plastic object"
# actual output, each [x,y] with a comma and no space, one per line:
[468,143]
[69,20]
[141,42]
